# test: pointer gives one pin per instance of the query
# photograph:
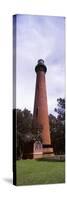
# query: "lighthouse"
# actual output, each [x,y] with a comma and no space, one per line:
[40,113]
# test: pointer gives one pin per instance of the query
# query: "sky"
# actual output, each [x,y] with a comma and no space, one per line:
[39,37]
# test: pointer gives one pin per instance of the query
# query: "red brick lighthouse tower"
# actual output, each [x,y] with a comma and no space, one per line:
[40,114]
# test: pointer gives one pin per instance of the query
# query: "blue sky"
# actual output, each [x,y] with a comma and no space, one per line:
[39,37]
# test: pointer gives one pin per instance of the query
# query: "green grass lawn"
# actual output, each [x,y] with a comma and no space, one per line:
[30,172]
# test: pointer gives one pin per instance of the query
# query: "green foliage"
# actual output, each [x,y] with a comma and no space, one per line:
[23,130]
[57,127]
[24,121]
[61,109]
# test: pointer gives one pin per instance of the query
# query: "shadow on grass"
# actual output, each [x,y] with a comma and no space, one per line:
[50,160]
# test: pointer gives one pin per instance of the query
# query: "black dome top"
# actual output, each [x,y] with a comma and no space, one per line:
[40,66]
[41,61]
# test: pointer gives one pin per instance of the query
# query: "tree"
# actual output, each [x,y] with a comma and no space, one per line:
[61,109]
[23,130]
[53,131]
[57,127]
[61,124]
